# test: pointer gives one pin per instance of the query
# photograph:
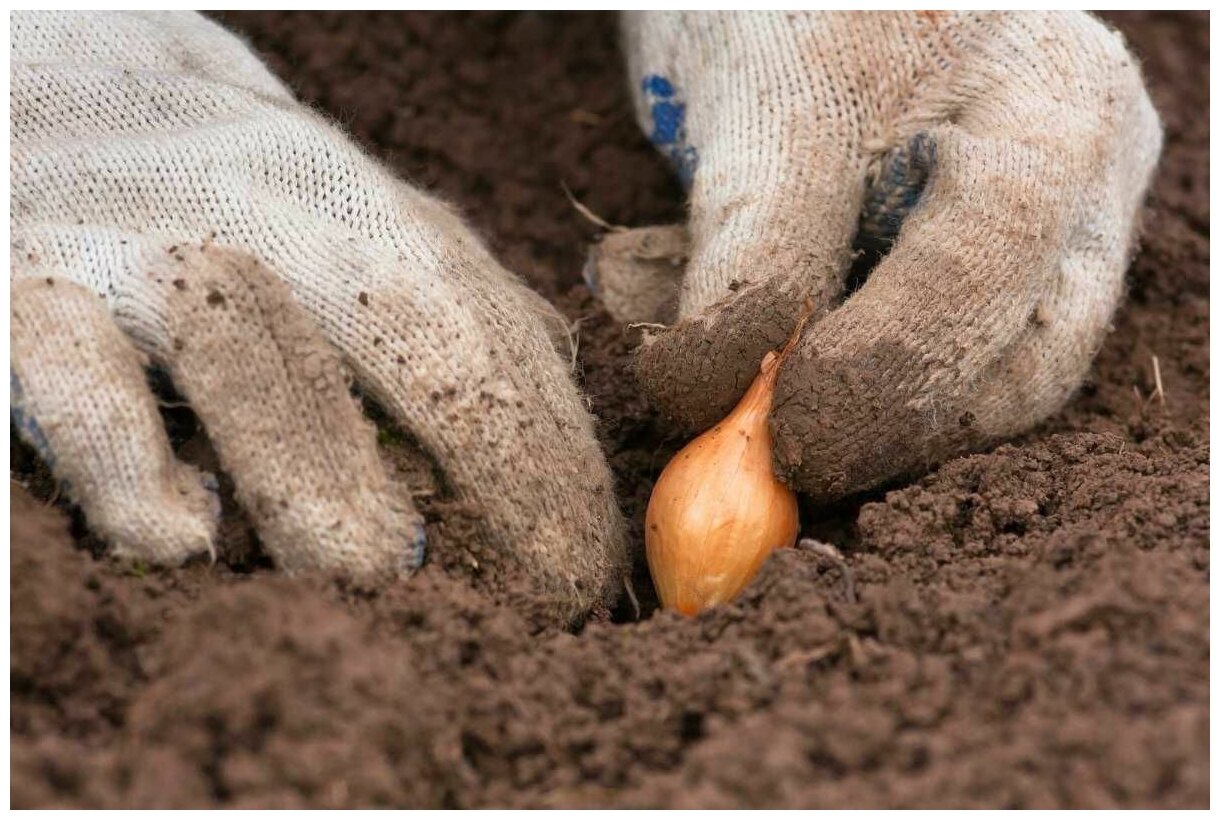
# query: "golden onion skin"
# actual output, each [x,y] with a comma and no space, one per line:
[718,511]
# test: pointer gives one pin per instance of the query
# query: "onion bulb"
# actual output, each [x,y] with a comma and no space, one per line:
[718,511]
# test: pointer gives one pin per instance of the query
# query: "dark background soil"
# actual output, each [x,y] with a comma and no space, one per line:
[1030,626]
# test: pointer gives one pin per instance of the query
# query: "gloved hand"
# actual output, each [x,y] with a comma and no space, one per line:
[995,163]
[168,191]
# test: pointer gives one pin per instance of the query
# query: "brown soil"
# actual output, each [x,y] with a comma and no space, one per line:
[1029,626]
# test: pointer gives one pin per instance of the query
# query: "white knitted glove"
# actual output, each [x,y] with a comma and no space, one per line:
[1012,149]
[236,237]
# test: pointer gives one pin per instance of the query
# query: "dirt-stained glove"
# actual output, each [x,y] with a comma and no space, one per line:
[167,190]
[995,163]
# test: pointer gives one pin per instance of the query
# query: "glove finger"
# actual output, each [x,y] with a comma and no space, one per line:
[154,45]
[460,353]
[271,394]
[998,291]
[777,181]
[775,177]
[79,396]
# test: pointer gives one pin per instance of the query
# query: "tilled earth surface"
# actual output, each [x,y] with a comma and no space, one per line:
[1026,627]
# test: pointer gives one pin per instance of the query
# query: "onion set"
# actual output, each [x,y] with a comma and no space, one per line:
[718,511]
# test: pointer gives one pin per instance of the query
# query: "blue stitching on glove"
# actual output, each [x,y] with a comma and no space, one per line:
[417,549]
[899,186]
[669,126]
[667,120]
[890,198]
[26,425]
[658,86]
